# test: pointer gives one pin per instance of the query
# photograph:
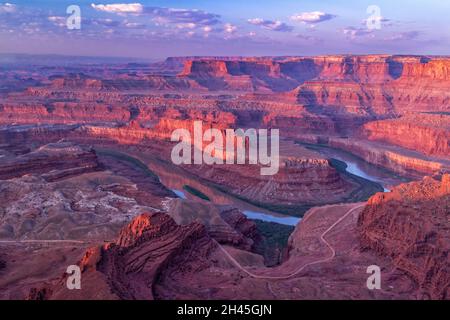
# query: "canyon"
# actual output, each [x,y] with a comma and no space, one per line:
[152,246]
[86,178]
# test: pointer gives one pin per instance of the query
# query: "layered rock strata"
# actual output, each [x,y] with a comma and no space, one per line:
[411,225]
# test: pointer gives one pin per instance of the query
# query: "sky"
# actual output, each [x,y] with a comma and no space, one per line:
[162,28]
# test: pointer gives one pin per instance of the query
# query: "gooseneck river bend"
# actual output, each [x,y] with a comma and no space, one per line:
[355,166]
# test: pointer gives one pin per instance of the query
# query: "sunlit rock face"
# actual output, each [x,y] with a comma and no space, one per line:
[410,225]
[374,84]
[429,134]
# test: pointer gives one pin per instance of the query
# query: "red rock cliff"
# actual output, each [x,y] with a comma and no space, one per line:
[429,134]
[411,225]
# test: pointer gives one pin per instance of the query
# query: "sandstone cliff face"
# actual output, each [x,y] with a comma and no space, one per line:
[136,132]
[331,94]
[360,68]
[146,247]
[63,113]
[121,83]
[299,123]
[237,221]
[406,163]
[21,135]
[298,182]
[228,226]
[388,85]
[411,225]
[55,161]
[376,84]
[373,84]
[429,134]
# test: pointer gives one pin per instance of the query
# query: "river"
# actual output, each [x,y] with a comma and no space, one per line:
[179,193]
[288,221]
[357,166]
[255,215]
[175,179]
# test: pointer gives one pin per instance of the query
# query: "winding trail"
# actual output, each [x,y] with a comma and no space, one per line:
[230,257]
[300,269]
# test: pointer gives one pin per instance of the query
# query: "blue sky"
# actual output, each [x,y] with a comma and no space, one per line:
[161,28]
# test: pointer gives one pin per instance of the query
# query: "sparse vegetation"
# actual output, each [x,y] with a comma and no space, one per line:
[292,210]
[196,193]
[124,157]
[275,240]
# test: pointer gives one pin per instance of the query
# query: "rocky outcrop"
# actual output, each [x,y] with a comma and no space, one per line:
[140,132]
[429,134]
[377,84]
[77,208]
[238,75]
[410,225]
[55,161]
[61,191]
[20,136]
[227,226]
[398,160]
[147,247]
[298,182]
[239,222]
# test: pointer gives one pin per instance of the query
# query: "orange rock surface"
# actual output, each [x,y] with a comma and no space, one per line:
[411,225]
[429,134]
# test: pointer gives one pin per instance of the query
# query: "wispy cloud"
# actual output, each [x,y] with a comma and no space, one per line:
[57,21]
[357,32]
[175,16]
[407,35]
[163,16]
[106,22]
[382,21]
[230,28]
[312,17]
[119,7]
[133,25]
[308,38]
[7,7]
[183,30]
[271,25]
